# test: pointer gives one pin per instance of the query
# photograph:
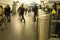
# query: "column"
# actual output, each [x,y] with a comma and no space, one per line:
[43,26]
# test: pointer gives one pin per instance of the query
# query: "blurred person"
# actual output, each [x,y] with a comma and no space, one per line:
[54,9]
[18,10]
[35,10]
[48,9]
[54,6]
[58,11]
[40,7]
[2,16]
[26,11]
[29,10]
[21,10]
[7,12]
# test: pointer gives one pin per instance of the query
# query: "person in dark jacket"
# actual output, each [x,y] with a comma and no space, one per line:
[35,10]
[21,10]
[54,6]
[7,12]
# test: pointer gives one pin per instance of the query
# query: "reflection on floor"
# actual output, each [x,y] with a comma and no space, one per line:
[54,39]
[17,30]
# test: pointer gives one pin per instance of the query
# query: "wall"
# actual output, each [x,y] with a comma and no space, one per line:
[4,2]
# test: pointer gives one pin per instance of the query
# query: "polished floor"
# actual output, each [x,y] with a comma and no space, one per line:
[17,30]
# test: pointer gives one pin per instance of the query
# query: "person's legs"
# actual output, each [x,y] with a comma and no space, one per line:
[34,17]
[6,17]
[53,16]
[9,18]
[23,17]
[4,20]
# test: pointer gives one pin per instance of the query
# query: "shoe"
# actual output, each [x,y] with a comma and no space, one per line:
[24,22]
[34,20]
[8,20]
[21,20]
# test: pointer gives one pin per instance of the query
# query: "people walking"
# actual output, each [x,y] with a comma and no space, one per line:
[2,16]
[7,12]
[35,10]
[21,10]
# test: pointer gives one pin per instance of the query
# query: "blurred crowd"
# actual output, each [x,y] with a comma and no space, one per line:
[4,14]
[22,9]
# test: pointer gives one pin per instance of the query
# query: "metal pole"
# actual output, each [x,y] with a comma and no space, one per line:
[43,26]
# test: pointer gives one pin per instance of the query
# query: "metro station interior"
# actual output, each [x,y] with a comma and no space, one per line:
[29,19]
